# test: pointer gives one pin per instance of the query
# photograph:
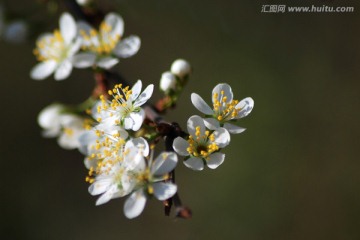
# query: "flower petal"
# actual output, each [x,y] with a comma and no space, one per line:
[163,191]
[107,62]
[195,163]
[233,128]
[100,186]
[136,90]
[139,143]
[246,105]
[108,195]
[67,27]
[84,60]
[144,96]
[222,137]
[135,204]
[211,123]
[180,145]
[63,70]
[193,122]
[43,70]
[127,47]
[85,140]
[116,23]
[138,118]
[215,160]
[164,163]
[227,92]
[200,104]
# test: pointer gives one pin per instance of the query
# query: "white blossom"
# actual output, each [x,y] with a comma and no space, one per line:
[203,146]
[56,50]
[104,47]
[125,107]
[115,173]
[225,108]
[149,180]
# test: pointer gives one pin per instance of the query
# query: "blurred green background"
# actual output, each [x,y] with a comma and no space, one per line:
[294,174]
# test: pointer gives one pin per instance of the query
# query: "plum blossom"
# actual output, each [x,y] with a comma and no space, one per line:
[55,51]
[149,181]
[115,177]
[103,48]
[125,107]
[67,127]
[225,108]
[202,147]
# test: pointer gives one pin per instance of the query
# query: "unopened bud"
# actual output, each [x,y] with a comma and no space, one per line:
[181,68]
[167,81]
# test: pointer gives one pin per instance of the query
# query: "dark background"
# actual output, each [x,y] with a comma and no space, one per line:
[294,174]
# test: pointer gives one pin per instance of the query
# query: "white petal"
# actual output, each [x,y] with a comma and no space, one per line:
[138,118]
[51,132]
[246,105]
[43,70]
[144,96]
[107,62]
[135,204]
[136,89]
[164,163]
[85,139]
[211,123]
[163,191]
[107,196]
[67,27]
[233,128]
[63,70]
[193,122]
[116,23]
[49,116]
[128,123]
[127,47]
[84,26]
[227,92]
[139,143]
[68,142]
[215,160]
[84,60]
[195,163]
[222,137]
[100,186]
[200,104]
[180,145]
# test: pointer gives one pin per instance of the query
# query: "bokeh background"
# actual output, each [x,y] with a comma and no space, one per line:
[294,174]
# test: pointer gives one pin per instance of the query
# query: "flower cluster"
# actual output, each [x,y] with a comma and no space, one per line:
[117,128]
[77,44]
[207,136]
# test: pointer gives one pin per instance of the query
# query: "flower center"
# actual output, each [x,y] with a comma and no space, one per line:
[68,131]
[121,104]
[102,42]
[223,109]
[51,48]
[202,145]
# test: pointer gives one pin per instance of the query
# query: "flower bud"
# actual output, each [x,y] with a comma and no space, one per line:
[167,81]
[181,68]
